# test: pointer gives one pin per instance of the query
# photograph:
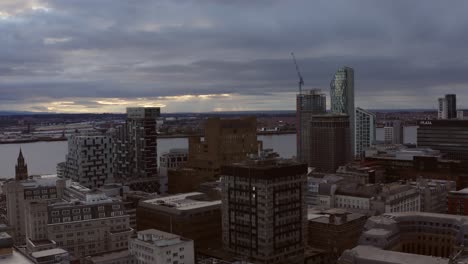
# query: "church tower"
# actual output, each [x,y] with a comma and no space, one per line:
[21,168]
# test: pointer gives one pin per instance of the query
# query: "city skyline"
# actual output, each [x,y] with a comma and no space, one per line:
[187,56]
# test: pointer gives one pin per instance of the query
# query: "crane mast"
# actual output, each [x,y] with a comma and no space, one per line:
[301,80]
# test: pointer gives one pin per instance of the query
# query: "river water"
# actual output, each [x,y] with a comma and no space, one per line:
[42,157]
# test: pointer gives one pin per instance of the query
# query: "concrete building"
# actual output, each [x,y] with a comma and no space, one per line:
[174,159]
[330,142]
[21,169]
[307,105]
[433,194]
[393,132]
[18,193]
[225,141]
[365,131]
[430,234]
[457,202]
[89,160]
[451,100]
[442,111]
[264,212]
[116,257]
[460,114]
[135,156]
[448,136]
[342,98]
[84,222]
[155,246]
[189,215]
[334,231]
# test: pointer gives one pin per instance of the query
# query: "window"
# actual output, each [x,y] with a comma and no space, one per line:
[76,211]
[55,213]
[66,212]
[66,219]
[101,208]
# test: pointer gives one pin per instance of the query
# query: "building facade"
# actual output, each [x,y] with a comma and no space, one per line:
[307,105]
[189,215]
[342,97]
[451,100]
[365,132]
[330,142]
[89,160]
[155,246]
[264,210]
[174,159]
[457,202]
[442,111]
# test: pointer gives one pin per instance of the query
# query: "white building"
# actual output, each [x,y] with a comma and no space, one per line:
[460,115]
[89,160]
[154,246]
[442,112]
[173,159]
[365,131]
[433,194]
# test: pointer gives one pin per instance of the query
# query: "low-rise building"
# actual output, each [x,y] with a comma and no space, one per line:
[190,215]
[155,246]
[433,194]
[457,202]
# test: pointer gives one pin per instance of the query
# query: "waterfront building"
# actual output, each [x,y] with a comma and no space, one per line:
[189,214]
[342,98]
[21,168]
[365,131]
[89,160]
[330,142]
[264,212]
[155,246]
[175,158]
[135,143]
[225,141]
[307,105]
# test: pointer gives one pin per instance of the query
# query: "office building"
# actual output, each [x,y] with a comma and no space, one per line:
[334,231]
[225,141]
[342,97]
[430,234]
[364,132]
[18,193]
[307,105]
[451,100]
[89,160]
[155,246]
[393,132]
[448,136]
[84,222]
[174,159]
[264,211]
[135,155]
[460,114]
[442,111]
[190,215]
[21,169]
[457,202]
[433,194]
[330,142]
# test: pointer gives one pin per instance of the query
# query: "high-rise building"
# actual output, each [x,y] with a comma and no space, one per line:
[155,246]
[135,155]
[330,142]
[89,160]
[365,131]
[447,107]
[225,141]
[460,114]
[175,158]
[342,97]
[393,132]
[451,100]
[442,111]
[264,211]
[307,104]
[21,169]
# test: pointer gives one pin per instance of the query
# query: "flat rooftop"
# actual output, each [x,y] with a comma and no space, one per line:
[49,252]
[181,202]
[371,254]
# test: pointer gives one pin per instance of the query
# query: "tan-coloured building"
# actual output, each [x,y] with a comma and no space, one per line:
[225,141]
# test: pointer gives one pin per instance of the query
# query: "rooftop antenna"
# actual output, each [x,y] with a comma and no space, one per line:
[301,80]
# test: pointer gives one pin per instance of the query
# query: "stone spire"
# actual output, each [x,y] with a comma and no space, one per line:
[21,168]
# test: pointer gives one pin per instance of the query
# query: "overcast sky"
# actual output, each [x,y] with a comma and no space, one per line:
[218,55]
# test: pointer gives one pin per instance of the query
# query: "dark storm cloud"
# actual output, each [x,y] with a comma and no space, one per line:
[126,49]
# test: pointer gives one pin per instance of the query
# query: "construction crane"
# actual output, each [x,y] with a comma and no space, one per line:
[301,80]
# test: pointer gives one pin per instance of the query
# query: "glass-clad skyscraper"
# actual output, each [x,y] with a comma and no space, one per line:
[342,98]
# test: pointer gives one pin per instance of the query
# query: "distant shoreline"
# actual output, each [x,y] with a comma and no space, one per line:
[19,141]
